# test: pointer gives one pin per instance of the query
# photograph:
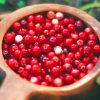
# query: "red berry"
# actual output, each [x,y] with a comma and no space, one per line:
[30,18]
[34,80]
[92,37]
[46,48]
[82,35]
[75,72]
[41,39]
[59,37]
[36,50]
[9,37]
[13,63]
[56,71]
[27,39]
[18,54]
[49,64]
[13,48]
[65,32]
[57,82]
[68,79]
[48,25]
[96,48]
[51,55]
[16,26]
[36,70]
[67,67]
[33,61]
[30,25]
[22,31]
[39,18]
[88,30]
[90,66]
[71,27]
[55,59]
[68,42]
[48,79]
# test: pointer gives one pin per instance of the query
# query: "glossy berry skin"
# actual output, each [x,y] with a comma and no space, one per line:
[36,70]
[36,50]
[49,64]
[27,39]
[68,79]
[56,71]
[16,26]
[67,67]
[41,39]
[39,18]
[9,37]
[18,54]
[13,63]
[58,82]
[96,48]
[50,14]
[13,47]
[34,80]
[46,48]
[48,78]
[75,72]
[68,42]
[6,53]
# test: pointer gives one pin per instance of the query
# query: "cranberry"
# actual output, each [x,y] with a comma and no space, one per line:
[56,71]
[75,72]
[16,26]
[48,78]
[80,42]
[59,37]
[52,40]
[39,18]
[74,36]
[51,55]
[92,37]
[24,74]
[91,43]
[36,50]
[38,28]
[71,20]
[22,31]
[79,24]
[34,38]
[28,67]
[22,46]
[18,54]
[27,39]
[88,30]
[65,32]
[73,47]
[13,47]
[36,70]
[34,80]
[9,37]
[5,46]
[68,42]
[86,60]
[90,66]
[23,23]
[95,59]
[23,61]
[55,59]
[67,67]
[30,25]
[41,39]
[50,14]
[30,18]
[68,60]
[86,50]
[71,27]
[33,61]
[52,32]
[82,67]
[65,21]
[68,79]
[44,83]
[48,26]
[71,55]
[96,48]
[6,53]
[13,63]
[49,64]
[46,48]
[20,70]
[57,82]
[78,55]
[81,75]
[77,62]
[82,35]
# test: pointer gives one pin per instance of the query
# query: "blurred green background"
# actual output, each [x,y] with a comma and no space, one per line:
[90,6]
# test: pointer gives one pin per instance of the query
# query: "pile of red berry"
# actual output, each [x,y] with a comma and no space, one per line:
[51,48]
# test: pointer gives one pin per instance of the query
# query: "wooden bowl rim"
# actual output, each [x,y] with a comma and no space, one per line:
[18,14]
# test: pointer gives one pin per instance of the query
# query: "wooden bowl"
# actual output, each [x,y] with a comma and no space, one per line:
[14,86]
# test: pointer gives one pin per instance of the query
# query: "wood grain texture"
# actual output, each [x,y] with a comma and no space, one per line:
[16,88]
